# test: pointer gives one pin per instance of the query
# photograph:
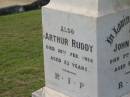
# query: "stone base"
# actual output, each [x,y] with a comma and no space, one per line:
[39,93]
[47,92]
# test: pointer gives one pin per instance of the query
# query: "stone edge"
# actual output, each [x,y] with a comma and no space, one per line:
[41,93]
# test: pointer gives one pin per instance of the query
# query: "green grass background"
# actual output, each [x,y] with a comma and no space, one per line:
[21,57]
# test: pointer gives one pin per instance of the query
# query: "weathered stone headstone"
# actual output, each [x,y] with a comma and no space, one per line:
[86,48]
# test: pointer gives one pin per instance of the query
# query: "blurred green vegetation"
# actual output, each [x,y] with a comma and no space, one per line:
[21,57]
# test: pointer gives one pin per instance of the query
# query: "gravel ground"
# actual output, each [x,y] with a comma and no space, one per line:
[5,3]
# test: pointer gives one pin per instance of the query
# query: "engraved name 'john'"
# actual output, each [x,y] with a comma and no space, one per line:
[121,45]
[66,42]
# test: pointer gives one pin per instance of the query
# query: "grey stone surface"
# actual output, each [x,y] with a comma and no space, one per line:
[87,48]
[85,55]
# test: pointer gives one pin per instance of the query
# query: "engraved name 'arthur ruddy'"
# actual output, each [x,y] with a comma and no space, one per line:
[66,42]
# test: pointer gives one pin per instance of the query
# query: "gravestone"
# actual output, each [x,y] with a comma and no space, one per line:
[86,48]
